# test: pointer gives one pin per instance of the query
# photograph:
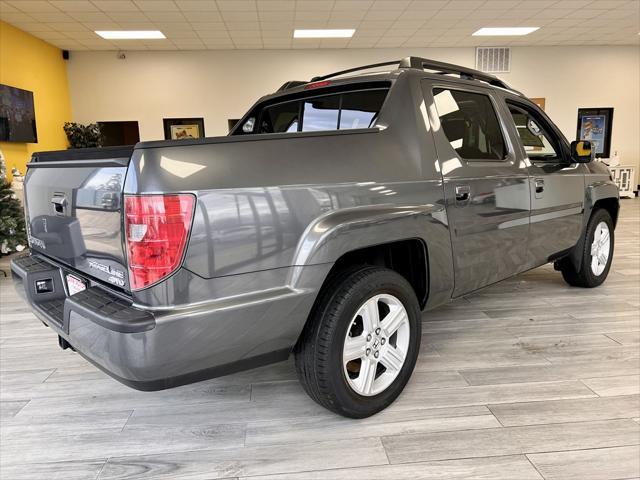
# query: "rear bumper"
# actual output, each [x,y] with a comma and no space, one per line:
[97,305]
[154,350]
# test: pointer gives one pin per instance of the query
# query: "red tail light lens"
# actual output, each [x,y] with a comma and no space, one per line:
[156,228]
[311,86]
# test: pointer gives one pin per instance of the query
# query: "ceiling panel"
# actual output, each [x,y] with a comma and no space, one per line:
[197,5]
[231,24]
[74,5]
[116,6]
[156,5]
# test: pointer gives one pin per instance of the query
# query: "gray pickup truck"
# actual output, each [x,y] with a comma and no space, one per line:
[332,215]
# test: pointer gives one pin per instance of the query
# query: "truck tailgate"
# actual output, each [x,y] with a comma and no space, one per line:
[73,202]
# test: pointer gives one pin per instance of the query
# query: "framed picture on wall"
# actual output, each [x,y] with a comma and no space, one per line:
[183,128]
[119,133]
[594,124]
[539,101]
[231,122]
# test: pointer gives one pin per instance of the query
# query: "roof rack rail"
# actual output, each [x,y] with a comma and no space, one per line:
[420,64]
[349,70]
[449,68]
[291,84]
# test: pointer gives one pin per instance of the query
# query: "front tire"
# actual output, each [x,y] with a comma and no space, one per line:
[361,343]
[597,253]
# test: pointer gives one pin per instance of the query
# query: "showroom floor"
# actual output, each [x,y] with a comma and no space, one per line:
[528,379]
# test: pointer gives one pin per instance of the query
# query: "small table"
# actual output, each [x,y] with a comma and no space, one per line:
[624,177]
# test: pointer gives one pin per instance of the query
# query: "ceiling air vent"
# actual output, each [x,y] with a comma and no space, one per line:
[493,59]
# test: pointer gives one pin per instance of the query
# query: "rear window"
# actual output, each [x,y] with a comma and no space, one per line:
[335,111]
[321,113]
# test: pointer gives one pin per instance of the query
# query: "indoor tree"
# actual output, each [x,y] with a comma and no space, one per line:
[13,236]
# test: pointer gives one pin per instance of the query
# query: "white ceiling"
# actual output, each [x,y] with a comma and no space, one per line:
[240,24]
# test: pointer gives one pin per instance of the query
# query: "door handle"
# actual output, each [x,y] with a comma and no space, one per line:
[462,193]
[539,185]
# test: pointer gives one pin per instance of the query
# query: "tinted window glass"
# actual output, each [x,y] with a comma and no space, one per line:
[280,118]
[470,124]
[321,113]
[360,109]
[348,110]
[538,144]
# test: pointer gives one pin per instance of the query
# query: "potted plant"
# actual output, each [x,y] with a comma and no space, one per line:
[83,136]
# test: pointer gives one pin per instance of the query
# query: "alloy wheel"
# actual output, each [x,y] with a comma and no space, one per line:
[600,248]
[376,345]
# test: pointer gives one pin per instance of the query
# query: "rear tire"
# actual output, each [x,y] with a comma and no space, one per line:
[597,253]
[360,345]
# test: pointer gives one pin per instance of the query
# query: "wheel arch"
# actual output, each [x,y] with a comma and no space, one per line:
[611,205]
[370,233]
[408,257]
[601,195]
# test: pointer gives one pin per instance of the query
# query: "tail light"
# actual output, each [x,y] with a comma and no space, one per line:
[156,229]
[311,86]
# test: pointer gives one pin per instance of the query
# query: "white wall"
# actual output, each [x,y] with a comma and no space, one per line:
[217,85]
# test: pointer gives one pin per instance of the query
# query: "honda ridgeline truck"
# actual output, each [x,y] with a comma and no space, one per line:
[325,222]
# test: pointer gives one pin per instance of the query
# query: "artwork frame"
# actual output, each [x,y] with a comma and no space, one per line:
[539,101]
[119,132]
[595,124]
[183,128]
[232,122]
[17,115]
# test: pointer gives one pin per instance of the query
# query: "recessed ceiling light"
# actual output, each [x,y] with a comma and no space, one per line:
[130,34]
[499,31]
[324,33]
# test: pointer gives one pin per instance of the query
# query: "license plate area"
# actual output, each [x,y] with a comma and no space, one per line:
[75,284]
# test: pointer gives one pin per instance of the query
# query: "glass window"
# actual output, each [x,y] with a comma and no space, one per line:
[360,109]
[470,123]
[343,111]
[536,142]
[280,118]
[321,113]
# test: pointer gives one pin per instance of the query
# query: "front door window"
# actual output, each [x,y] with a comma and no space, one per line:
[538,144]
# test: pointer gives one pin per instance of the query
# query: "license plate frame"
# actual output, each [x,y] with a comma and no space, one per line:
[75,284]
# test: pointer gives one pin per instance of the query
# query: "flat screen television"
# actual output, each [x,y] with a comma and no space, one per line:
[17,115]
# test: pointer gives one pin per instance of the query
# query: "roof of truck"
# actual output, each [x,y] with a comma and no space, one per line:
[408,65]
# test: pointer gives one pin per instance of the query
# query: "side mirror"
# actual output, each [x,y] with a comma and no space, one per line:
[581,151]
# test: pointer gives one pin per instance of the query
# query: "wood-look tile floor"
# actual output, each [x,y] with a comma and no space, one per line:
[528,379]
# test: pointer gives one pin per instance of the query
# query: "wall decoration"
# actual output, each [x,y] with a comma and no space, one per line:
[83,136]
[594,124]
[231,122]
[119,133]
[17,115]
[183,128]
[539,101]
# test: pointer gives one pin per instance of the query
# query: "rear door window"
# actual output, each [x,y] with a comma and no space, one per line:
[470,123]
[337,111]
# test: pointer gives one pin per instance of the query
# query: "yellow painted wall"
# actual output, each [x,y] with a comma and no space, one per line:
[32,64]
